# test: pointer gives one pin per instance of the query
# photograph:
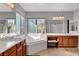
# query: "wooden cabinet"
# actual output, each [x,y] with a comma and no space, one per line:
[67,41]
[17,50]
[52,37]
[52,41]
[10,51]
[75,41]
[1,54]
[60,41]
[23,48]
[13,53]
[71,41]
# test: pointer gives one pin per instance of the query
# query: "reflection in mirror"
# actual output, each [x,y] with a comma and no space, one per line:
[18,23]
[11,26]
[7,19]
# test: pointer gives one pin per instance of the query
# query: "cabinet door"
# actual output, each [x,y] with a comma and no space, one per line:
[19,51]
[23,43]
[65,41]
[71,41]
[13,53]
[10,51]
[24,50]
[60,41]
[1,54]
[75,42]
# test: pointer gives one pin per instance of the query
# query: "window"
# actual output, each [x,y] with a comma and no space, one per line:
[36,25]
[32,25]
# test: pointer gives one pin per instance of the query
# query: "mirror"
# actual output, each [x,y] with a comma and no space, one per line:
[73,26]
[7,18]
[55,26]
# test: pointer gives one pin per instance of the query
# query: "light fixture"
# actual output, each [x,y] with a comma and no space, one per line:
[11,5]
[58,18]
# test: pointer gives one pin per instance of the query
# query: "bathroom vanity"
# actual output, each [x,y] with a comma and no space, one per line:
[13,47]
[35,43]
[64,40]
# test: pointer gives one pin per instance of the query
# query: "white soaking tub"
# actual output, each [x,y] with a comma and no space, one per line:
[35,43]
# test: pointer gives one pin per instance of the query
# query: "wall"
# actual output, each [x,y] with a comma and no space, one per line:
[21,11]
[49,15]
[7,15]
[76,18]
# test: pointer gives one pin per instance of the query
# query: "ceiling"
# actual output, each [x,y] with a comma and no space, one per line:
[4,8]
[33,7]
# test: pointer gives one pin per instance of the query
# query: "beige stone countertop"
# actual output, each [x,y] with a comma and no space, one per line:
[62,34]
[8,42]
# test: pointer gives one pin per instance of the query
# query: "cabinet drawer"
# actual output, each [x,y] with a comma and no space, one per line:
[9,51]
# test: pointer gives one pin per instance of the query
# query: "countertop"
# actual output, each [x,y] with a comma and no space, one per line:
[8,42]
[63,34]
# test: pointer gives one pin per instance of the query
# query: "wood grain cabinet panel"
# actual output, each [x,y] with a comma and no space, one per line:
[13,53]
[21,48]
[24,48]
[52,37]
[1,54]
[19,51]
[65,41]
[75,41]
[71,41]
[60,41]
[10,51]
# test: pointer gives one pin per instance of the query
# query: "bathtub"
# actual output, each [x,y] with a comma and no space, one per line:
[35,44]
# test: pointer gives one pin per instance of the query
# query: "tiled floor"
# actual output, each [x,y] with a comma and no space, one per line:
[59,52]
